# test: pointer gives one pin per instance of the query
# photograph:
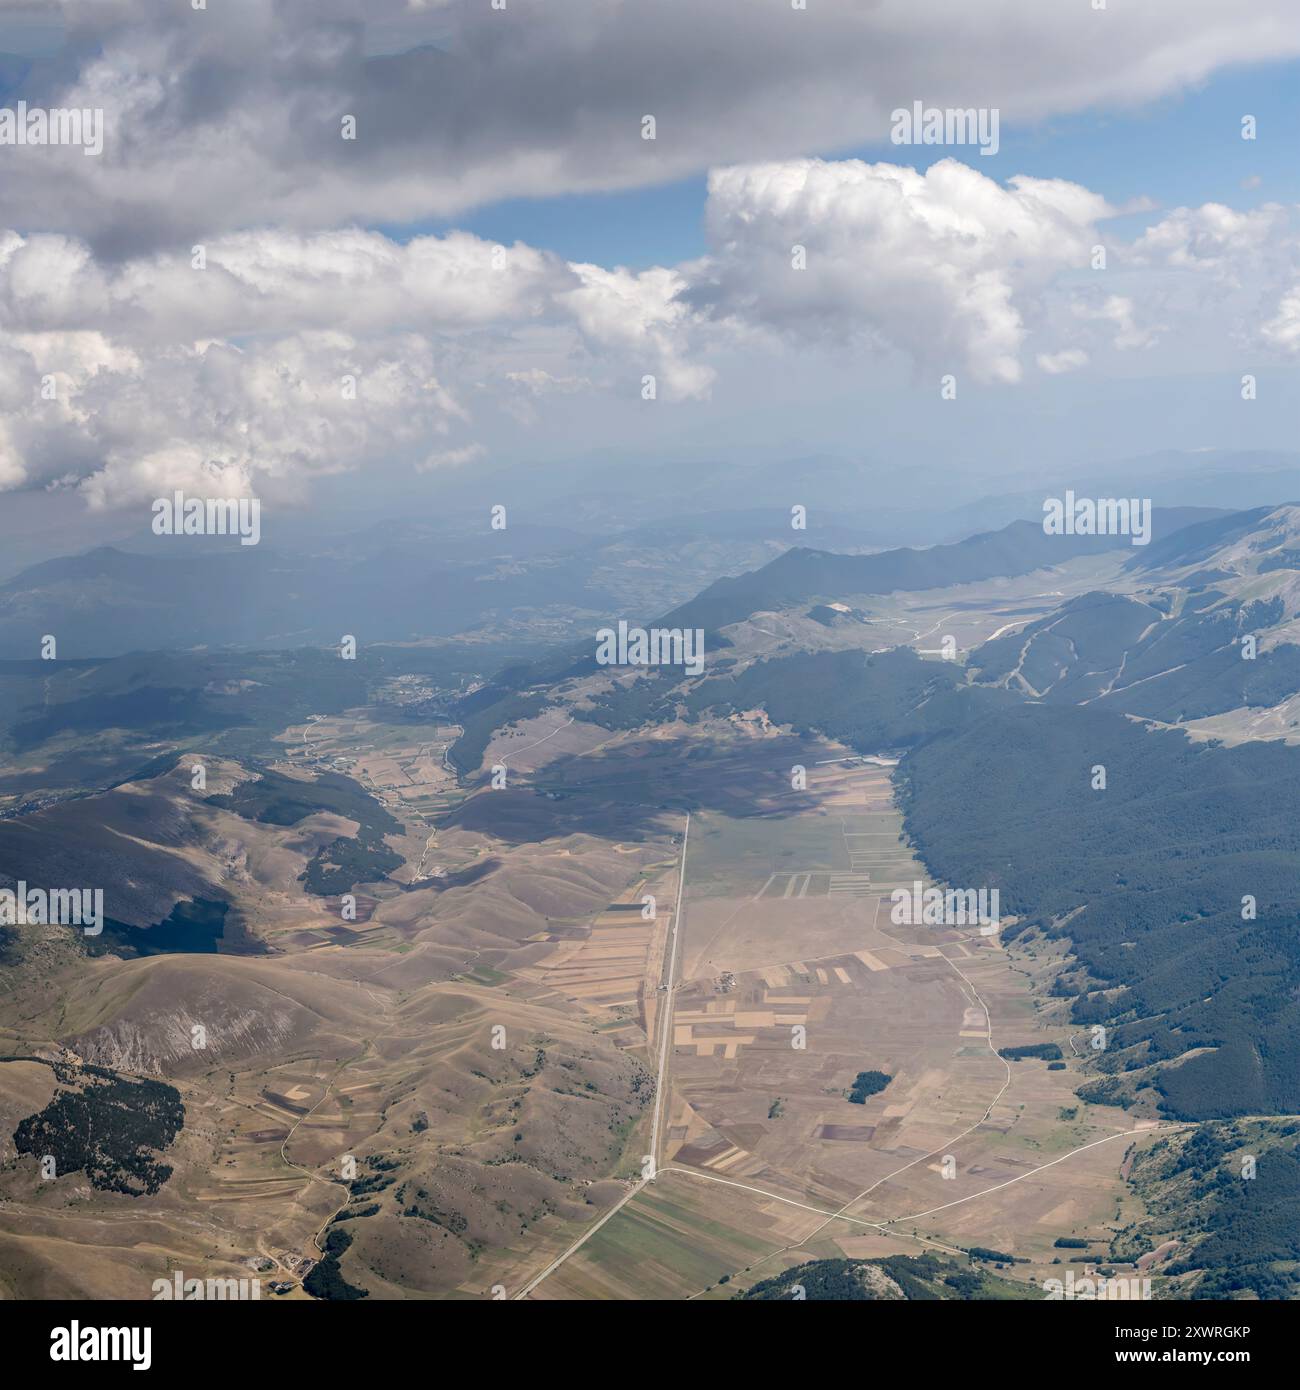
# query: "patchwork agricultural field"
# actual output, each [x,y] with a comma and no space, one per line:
[793,982]
[458,1088]
[451,1073]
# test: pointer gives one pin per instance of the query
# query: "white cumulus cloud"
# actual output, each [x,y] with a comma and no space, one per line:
[945,265]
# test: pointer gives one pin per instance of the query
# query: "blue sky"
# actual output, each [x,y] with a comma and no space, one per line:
[1178,151]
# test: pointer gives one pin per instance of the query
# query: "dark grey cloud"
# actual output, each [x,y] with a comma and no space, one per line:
[229,117]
